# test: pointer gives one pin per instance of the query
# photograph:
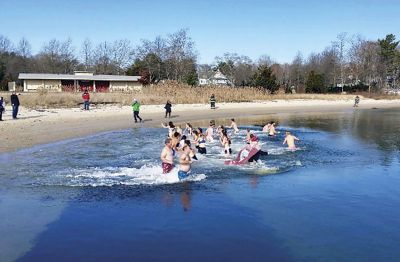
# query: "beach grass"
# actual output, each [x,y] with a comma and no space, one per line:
[176,93]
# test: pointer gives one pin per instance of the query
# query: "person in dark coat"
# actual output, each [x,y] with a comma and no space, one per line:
[212,101]
[2,106]
[15,105]
[168,110]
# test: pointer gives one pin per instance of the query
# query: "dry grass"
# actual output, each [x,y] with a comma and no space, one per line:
[177,93]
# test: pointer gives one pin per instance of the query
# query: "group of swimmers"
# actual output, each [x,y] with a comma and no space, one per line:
[179,143]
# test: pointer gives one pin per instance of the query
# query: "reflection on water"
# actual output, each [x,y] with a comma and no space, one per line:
[333,199]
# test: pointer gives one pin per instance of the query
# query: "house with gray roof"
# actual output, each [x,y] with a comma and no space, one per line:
[79,81]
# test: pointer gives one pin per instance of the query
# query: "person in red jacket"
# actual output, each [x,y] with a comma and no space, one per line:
[86,99]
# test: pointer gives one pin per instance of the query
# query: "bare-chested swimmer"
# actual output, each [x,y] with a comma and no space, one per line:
[272,131]
[185,162]
[289,139]
[234,126]
[167,156]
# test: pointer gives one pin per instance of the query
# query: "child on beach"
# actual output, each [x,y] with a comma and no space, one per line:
[289,139]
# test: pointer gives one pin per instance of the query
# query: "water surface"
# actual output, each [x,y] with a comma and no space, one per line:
[104,198]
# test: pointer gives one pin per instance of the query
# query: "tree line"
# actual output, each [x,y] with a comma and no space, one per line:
[349,63]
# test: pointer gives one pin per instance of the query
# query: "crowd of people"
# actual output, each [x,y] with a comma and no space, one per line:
[184,144]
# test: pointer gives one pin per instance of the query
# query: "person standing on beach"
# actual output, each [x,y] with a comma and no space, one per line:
[136,107]
[289,139]
[2,105]
[167,157]
[356,101]
[168,110]
[212,101]
[15,105]
[86,100]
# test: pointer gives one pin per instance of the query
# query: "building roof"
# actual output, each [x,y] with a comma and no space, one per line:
[28,76]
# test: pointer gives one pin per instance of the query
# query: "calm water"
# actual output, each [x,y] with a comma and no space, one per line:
[104,198]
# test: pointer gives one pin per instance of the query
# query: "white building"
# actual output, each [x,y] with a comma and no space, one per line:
[217,79]
[79,81]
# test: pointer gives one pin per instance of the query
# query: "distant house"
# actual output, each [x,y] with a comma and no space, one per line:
[79,81]
[217,79]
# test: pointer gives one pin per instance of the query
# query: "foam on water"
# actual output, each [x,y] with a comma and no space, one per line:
[145,175]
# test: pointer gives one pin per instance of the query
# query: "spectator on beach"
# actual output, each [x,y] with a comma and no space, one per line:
[212,101]
[15,105]
[356,101]
[2,106]
[168,107]
[86,100]
[136,108]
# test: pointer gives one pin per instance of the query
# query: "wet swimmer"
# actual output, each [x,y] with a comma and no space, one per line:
[272,130]
[234,126]
[202,144]
[210,132]
[192,153]
[185,162]
[167,156]
[171,128]
[266,127]
[289,140]
[226,143]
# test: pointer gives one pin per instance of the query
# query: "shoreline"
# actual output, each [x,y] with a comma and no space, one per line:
[36,127]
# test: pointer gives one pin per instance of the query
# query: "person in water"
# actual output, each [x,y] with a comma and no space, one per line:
[167,156]
[266,127]
[289,139]
[189,129]
[272,130]
[192,153]
[171,128]
[234,126]
[226,143]
[210,132]
[202,144]
[176,138]
[185,162]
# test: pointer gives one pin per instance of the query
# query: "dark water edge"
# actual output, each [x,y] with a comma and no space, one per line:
[339,204]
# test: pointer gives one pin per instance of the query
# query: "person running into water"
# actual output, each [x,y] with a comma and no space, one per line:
[210,132]
[202,144]
[192,153]
[168,110]
[289,140]
[272,130]
[266,127]
[185,162]
[167,156]
[234,126]
[171,128]
[188,129]
[176,138]
[248,133]
[226,143]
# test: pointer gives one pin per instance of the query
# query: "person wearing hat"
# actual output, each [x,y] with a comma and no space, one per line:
[136,107]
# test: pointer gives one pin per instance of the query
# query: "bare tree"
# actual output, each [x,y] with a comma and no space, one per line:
[5,45]
[24,48]
[87,54]
[341,45]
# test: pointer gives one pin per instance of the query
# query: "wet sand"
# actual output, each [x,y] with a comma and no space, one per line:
[36,127]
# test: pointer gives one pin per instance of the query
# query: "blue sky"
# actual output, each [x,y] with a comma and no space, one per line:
[276,28]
